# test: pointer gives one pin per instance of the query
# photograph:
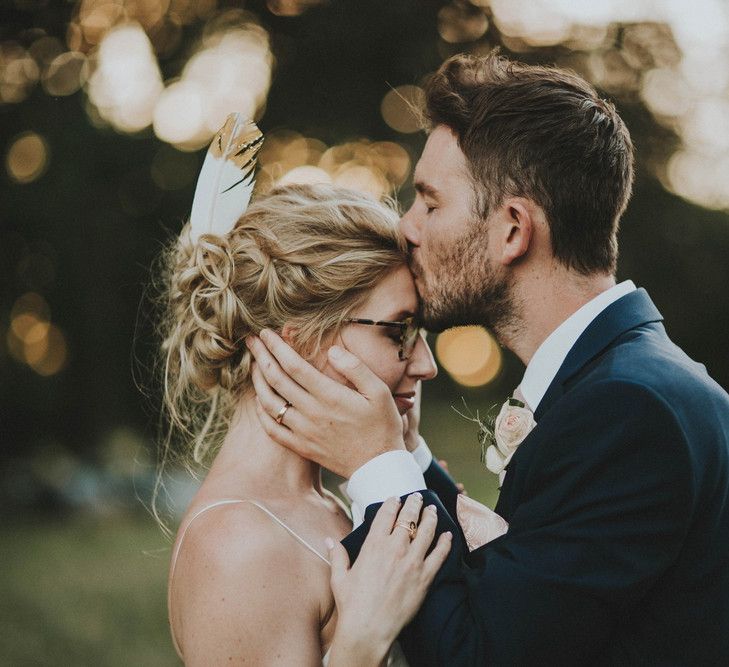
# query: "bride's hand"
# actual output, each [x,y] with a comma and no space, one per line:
[383,590]
[338,427]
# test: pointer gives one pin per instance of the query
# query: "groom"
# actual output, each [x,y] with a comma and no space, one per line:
[617,550]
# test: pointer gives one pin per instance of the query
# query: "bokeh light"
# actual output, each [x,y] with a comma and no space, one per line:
[232,71]
[178,115]
[31,303]
[400,108]
[290,7]
[378,168]
[125,82]
[666,93]
[45,50]
[536,21]
[27,157]
[461,22]
[470,355]
[667,53]
[66,74]
[19,72]
[359,177]
[32,339]
[664,54]
[52,355]
[304,175]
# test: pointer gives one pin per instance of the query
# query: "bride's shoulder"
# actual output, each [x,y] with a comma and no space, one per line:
[230,538]
[236,583]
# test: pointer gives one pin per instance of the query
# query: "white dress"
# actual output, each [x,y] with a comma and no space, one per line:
[396,658]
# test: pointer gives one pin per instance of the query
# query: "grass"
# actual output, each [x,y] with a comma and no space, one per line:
[84,591]
[90,590]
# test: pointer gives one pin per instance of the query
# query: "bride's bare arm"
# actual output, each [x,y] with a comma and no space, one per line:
[246,595]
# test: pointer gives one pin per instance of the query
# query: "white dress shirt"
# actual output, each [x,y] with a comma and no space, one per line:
[399,473]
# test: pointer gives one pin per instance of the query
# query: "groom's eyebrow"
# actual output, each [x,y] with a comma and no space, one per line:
[397,317]
[424,189]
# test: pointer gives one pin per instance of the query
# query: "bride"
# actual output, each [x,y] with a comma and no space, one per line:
[249,578]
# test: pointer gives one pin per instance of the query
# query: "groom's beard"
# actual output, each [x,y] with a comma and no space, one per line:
[462,287]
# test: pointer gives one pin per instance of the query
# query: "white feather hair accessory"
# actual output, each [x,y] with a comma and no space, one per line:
[226,180]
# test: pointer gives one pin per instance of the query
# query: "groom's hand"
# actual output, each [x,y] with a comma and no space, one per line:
[338,427]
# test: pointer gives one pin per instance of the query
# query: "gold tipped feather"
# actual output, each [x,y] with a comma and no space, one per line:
[226,180]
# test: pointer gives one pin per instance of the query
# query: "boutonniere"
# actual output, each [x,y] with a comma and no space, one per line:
[499,438]
[512,425]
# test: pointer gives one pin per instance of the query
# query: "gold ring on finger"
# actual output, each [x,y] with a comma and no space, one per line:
[410,526]
[282,412]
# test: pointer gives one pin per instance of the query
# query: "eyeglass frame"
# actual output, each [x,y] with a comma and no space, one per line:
[403,325]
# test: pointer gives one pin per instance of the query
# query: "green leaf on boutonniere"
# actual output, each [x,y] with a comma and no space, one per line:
[485,433]
[516,402]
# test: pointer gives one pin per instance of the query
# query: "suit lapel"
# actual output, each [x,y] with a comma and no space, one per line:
[628,312]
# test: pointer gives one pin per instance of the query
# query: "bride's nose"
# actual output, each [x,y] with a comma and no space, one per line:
[421,364]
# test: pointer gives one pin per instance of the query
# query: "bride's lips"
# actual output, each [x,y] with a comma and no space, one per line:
[405,401]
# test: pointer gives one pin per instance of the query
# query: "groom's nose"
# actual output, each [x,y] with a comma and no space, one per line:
[409,229]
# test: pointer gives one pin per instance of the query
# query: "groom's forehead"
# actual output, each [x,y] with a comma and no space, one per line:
[441,157]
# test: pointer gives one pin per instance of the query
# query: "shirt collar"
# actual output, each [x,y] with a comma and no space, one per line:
[550,355]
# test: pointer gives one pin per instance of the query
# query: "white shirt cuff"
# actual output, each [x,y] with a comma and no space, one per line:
[422,454]
[387,475]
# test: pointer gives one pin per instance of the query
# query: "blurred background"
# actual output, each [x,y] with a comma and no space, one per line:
[106,107]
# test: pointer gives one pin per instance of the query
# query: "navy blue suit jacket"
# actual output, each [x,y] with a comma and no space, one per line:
[617,551]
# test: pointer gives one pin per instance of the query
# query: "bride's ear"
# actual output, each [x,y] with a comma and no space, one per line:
[287,333]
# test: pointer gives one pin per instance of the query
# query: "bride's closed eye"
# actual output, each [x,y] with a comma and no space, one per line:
[395,338]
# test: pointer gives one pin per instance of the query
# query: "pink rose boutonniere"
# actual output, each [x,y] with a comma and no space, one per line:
[512,425]
[500,437]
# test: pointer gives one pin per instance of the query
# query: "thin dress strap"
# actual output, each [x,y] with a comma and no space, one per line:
[218,503]
[291,531]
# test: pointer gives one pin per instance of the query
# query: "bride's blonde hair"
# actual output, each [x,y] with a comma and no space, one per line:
[305,256]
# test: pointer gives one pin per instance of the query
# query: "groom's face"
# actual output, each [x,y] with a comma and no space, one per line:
[457,280]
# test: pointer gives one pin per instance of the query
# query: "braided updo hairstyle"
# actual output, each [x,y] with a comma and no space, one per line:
[302,255]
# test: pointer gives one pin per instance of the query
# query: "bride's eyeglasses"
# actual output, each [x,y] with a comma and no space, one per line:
[409,332]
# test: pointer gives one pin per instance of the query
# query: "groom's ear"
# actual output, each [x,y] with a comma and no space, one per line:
[517,225]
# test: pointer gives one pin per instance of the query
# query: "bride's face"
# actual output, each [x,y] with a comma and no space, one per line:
[394,299]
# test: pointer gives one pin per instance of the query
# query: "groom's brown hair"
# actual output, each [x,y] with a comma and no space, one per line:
[545,134]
